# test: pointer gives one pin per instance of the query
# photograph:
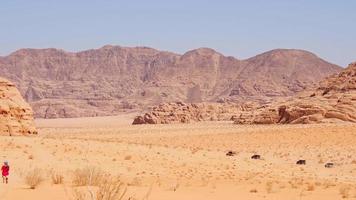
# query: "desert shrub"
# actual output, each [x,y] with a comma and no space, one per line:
[128,157]
[310,187]
[108,189]
[31,157]
[56,178]
[33,178]
[269,186]
[89,176]
[111,189]
[81,195]
[253,191]
[344,192]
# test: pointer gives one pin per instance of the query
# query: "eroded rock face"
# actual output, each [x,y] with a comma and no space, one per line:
[333,101]
[179,112]
[113,79]
[16,117]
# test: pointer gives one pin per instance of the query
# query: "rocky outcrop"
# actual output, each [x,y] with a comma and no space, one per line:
[333,101]
[16,117]
[115,79]
[170,113]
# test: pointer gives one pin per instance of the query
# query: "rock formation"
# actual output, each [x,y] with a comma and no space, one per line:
[113,79]
[179,112]
[333,101]
[16,117]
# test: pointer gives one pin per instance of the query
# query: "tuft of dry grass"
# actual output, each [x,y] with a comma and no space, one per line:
[310,187]
[328,184]
[33,178]
[109,189]
[89,176]
[344,192]
[253,191]
[57,178]
[128,157]
[269,186]
[81,195]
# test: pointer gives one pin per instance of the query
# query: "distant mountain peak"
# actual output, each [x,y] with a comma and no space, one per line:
[202,51]
[29,51]
[287,53]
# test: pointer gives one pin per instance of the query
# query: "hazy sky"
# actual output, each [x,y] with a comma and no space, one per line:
[232,27]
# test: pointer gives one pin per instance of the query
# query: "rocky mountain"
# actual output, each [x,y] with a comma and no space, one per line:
[16,117]
[179,112]
[113,79]
[333,101]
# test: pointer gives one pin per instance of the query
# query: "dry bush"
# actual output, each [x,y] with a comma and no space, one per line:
[135,182]
[310,187]
[33,178]
[296,183]
[344,192]
[111,189]
[108,189]
[89,176]
[56,178]
[128,157]
[81,195]
[321,161]
[269,186]
[328,184]
[253,191]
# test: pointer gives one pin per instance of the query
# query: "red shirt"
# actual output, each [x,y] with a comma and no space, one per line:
[5,170]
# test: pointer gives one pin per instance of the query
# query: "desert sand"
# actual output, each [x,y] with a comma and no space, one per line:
[184,161]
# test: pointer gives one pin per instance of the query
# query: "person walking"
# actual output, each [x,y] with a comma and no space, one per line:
[5,172]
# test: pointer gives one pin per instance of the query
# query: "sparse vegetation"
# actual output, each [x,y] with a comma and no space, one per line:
[106,188]
[33,178]
[344,191]
[111,189]
[310,187]
[253,191]
[90,176]
[269,186]
[175,168]
[128,157]
[57,178]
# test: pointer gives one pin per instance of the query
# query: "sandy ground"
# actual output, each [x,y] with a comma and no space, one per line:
[185,162]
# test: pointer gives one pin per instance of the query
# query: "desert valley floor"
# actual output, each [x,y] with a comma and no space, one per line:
[185,161]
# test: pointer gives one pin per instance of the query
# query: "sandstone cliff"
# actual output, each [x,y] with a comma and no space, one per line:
[179,112]
[16,117]
[333,101]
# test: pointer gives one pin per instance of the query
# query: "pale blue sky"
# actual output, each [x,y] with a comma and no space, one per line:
[237,28]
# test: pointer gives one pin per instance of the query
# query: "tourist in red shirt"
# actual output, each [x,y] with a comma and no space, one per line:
[5,172]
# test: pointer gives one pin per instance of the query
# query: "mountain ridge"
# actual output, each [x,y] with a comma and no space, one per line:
[109,46]
[112,79]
